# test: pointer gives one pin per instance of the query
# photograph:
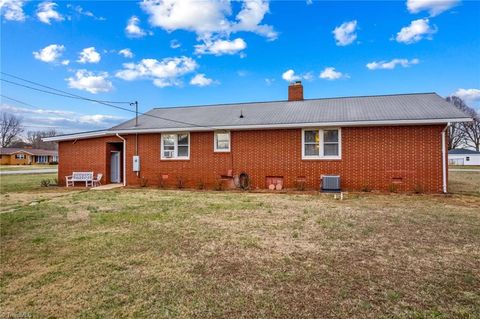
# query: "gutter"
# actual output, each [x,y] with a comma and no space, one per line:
[444,159]
[124,159]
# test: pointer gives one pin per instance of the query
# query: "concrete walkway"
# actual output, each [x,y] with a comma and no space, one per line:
[463,170]
[106,187]
[30,171]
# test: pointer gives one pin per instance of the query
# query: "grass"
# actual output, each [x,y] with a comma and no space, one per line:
[193,254]
[23,182]
[4,168]
[464,167]
[464,182]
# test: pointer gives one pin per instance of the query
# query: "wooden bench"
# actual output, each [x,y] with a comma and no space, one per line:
[86,177]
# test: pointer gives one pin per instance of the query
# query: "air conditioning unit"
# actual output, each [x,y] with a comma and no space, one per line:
[330,183]
[168,154]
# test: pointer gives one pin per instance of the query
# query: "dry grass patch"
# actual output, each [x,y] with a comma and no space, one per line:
[180,254]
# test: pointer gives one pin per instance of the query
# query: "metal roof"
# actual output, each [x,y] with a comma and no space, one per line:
[420,106]
[460,151]
[399,109]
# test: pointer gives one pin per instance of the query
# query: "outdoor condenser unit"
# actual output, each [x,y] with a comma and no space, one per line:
[330,183]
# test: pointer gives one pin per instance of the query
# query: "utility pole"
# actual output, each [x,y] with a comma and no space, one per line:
[136,112]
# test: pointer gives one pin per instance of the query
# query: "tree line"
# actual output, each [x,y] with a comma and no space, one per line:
[11,129]
[466,134]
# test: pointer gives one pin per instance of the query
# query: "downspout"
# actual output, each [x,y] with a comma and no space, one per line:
[444,161]
[124,159]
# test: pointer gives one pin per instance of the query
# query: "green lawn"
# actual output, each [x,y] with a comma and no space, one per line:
[150,253]
[23,182]
[25,167]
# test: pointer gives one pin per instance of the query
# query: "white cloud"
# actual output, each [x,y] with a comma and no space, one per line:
[133,29]
[416,31]
[12,10]
[290,76]
[269,81]
[126,53]
[208,17]
[391,64]
[63,120]
[329,73]
[46,12]
[78,9]
[175,44]
[345,33]
[469,95]
[89,55]
[90,82]
[434,7]
[201,80]
[50,53]
[163,73]
[220,47]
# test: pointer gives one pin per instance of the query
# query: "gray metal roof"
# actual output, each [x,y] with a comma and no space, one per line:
[402,107]
[460,151]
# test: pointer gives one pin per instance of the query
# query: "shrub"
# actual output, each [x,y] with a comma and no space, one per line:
[300,185]
[143,182]
[45,183]
[419,189]
[366,188]
[219,185]
[180,182]
[392,188]
[201,184]
[53,163]
[161,181]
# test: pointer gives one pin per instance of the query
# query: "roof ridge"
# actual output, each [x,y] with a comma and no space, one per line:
[276,101]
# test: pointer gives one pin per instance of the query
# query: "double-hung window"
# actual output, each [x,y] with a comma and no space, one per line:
[321,144]
[222,141]
[20,156]
[175,146]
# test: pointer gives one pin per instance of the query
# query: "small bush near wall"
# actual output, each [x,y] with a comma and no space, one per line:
[143,182]
[366,188]
[419,189]
[45,183]
[392,188]
[180,182]
[201,184]
[219,186]
[53,163]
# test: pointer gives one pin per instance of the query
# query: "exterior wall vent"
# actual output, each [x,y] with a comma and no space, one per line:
[330,183]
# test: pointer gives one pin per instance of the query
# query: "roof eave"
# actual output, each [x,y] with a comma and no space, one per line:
[252,127]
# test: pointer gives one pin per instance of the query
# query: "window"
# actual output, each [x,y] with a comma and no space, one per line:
[222,141]
[20,156]
[42,159]
[175,146]
[321,144]
[467,158]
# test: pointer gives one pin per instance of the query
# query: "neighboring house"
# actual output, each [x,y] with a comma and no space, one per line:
[372,142]
[27,156]
[463,157]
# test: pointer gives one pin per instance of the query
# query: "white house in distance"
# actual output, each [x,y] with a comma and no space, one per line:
[463,157]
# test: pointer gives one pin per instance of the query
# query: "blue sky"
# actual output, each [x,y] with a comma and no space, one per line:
[190,52]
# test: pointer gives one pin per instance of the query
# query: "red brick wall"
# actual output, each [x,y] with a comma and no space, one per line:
[408,157]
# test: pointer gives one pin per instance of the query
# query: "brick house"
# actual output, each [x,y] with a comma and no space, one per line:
[374,142]
[27,156]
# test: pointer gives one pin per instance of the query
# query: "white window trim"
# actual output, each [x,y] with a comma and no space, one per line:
[175,158]
[320,157]
[215,149]
[20,156]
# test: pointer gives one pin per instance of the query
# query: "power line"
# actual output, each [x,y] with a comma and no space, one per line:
[92,100]
[61,91]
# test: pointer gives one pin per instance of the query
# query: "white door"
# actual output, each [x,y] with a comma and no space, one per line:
[115,167]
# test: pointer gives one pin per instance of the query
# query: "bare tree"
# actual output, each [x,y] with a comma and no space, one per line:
[456,131]
[472,132]
[35,139]
[468,133]
[10,128]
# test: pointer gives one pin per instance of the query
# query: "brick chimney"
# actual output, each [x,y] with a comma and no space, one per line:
[295,91]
